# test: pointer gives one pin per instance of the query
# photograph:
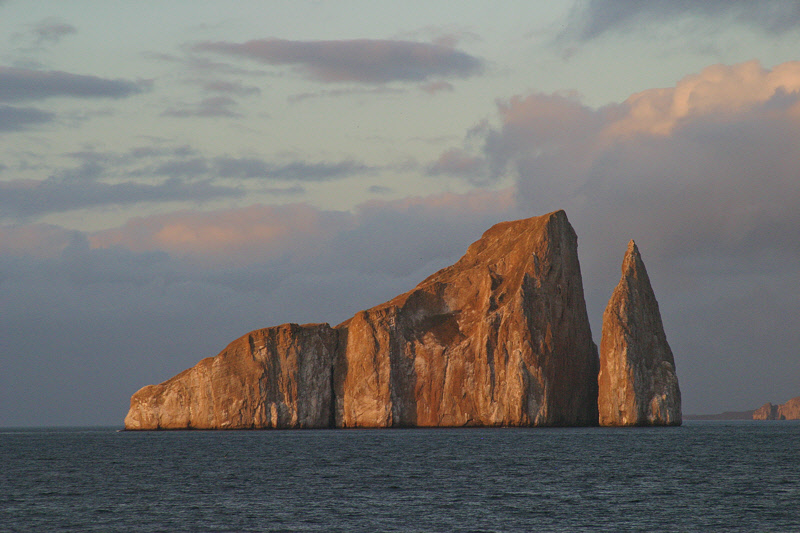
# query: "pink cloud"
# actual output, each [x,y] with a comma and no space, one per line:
[254,233]
[298,232]
[717,89]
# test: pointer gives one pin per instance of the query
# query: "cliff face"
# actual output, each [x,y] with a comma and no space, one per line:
[637,380]
[277,377]
[499,338]
[787,411]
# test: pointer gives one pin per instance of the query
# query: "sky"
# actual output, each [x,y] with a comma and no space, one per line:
[176,174]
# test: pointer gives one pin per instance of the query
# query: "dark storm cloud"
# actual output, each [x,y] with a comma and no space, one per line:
[19,84]
[23,199]
[18,118]
[360,60]
[592,18]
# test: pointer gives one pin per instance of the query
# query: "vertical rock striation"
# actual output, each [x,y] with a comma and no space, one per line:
[785,411]
[637,381]
[500,338]
[277,377]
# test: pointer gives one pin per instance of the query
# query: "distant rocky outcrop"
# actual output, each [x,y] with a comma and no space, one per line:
[500,338]
[637,381]
[787,411]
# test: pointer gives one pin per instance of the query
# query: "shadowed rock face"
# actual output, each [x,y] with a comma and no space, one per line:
[637,381]
[501,338]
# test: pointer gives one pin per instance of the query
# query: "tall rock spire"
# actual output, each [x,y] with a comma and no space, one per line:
[637,381]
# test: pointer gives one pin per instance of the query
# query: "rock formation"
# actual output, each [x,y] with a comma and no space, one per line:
[637,381]
[500,338]
[787,411]
[768,411]
[270,378]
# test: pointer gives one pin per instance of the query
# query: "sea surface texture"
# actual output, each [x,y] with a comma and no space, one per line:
[702,476]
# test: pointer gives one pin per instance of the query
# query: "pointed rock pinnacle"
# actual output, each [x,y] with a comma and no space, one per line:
[637,384]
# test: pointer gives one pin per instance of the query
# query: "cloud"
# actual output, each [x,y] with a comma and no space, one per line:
[215,106]
[703,175]
[19,84]
[22,199]
[437,86]
[41,241]
[14,118]
[230,87]
[593,18]
[349,91]
[247,167]
[360,60]
[161,173]
[51,30]
[181,168]
[459,163]
[376,238]
[256,233]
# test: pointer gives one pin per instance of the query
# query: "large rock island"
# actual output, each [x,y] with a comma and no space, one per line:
[500,338]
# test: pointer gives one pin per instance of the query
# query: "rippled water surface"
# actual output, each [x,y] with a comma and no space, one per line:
[731,476]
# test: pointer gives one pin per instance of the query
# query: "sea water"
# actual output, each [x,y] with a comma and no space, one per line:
[703,476]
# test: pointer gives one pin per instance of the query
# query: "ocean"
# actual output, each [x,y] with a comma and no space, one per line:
[702,476]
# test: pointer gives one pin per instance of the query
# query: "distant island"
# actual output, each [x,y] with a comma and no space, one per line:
[500,338]
[727,415]
[786,411]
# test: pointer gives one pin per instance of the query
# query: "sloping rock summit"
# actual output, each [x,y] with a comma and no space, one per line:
[500,338]
[785,411]
[637,382]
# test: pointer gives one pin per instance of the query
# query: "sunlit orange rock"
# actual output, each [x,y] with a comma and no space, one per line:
[786,411]
[638,385]
[500,338]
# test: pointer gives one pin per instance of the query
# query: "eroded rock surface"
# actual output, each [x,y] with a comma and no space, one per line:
[637,381]
[768,411]
[786,411]
[500,338]
[278,377]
